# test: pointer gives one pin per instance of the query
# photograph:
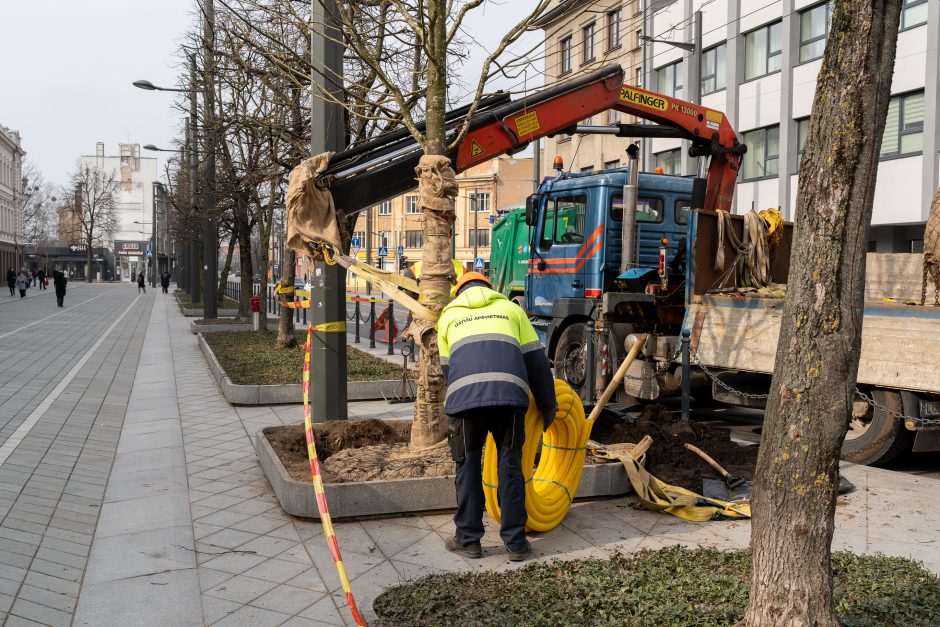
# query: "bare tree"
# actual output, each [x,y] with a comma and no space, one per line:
[40,218]
[820,334]
[94,208]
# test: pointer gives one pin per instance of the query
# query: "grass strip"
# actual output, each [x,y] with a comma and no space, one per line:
[251,358]
[671,586]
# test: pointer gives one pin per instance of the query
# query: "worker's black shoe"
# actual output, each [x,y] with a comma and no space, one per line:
[470,550]
[521,553]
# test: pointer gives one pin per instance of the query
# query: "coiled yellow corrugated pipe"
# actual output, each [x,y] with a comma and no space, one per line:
[551,486]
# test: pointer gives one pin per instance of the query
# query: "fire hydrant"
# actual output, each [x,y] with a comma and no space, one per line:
[255,304]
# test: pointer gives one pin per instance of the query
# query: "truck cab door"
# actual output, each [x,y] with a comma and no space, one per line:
[561,245]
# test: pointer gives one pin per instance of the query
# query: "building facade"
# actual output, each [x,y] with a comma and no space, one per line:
[484,190]
[136,176]
[11,199]
[581,37]
[759,65]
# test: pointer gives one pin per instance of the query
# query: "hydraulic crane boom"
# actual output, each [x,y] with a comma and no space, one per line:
[362,179]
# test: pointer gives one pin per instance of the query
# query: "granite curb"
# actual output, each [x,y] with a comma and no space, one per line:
[216,328]
[400,496]
[292,393]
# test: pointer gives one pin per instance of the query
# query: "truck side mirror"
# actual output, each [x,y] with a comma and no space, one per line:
[532,209]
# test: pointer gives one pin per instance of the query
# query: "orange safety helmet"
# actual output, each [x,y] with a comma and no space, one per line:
[471,277]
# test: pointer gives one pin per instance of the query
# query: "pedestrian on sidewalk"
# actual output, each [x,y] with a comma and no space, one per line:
[141,286]
[41,277]
[165,281]
[22,282]
[59,281]
[491,358]
[11,281]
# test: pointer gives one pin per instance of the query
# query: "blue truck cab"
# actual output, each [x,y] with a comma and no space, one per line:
[576,242]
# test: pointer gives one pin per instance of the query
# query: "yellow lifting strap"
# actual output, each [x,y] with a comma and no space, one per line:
[391,284]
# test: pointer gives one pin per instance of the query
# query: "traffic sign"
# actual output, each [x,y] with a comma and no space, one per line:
[149,253]
[479,264]
[355,245]
[492,219]
[400,251]
[383,251]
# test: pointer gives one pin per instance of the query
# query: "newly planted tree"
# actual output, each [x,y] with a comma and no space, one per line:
[820,334]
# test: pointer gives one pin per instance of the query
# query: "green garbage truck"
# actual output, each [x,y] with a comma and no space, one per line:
[509,255]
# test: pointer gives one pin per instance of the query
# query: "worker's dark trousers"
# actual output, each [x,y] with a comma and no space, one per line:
[467,436]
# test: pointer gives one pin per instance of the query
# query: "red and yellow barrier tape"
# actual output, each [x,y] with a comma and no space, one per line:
[325,520]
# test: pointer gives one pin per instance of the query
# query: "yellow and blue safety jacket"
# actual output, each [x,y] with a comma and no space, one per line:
[490,354]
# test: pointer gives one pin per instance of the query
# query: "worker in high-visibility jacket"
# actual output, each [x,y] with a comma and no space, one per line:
[414,272]
[491,359]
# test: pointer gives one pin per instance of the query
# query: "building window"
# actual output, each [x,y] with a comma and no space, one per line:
[762,159]
[639,77]
[610,165]
[586,169]
[904,126]
[361,236]
[917,246]
[411,204]
[479,238]
[802,131]
[480,202]
[613,29]
[814,27]
[714,69]
[587,35]
[414,239]
[762,51]
[669,79]
[566,54]
[383,239]
[913,13]
[670,161]
[613,116]
[385,208]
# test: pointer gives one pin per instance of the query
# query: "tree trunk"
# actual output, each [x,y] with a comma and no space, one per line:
[820,334]
[243,228]
[437,188]
[88,259]
[226,268]
[285,324]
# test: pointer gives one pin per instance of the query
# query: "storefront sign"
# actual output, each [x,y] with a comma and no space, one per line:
[129,248]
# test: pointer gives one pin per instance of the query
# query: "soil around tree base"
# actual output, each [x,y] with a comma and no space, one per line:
[368,450]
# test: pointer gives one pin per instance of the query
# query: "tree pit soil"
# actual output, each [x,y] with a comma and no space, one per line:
[369,450]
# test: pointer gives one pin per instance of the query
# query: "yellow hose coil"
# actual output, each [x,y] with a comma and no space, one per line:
[551,486]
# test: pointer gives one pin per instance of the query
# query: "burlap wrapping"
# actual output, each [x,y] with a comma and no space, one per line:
[932,243]
[311,215]
[437,187]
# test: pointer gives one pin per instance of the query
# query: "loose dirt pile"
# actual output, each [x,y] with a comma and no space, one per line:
[667,459]
[368,450]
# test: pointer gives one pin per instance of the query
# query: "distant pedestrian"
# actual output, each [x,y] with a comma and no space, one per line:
[11,281]
[22,282]
[165,281]
[59,280]
[41,277]
[141,286]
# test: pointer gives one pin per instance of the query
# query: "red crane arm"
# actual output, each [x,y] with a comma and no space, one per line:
[709,130]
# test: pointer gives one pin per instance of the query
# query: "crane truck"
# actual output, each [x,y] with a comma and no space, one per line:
[619,253]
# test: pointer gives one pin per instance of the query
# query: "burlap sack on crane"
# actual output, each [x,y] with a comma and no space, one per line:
[932,247]
[311,215]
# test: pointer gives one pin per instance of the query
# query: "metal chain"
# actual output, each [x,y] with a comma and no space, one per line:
[923,288]
[919,422]
[722,384]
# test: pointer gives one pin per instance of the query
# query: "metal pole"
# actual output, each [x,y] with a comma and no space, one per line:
[328,293]
[368,246]
[210,250]
[686,373]
[536,165]
[389,325]
[695,93]
[589,362]
[153,235]
[476,231]
[193,184]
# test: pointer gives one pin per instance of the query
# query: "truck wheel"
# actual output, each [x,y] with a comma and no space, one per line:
[570,353]
[519,300]
[877,437]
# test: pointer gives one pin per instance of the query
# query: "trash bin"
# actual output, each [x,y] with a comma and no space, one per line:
[255,305]
[255,302]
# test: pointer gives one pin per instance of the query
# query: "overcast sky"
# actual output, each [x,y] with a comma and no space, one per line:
[67,68]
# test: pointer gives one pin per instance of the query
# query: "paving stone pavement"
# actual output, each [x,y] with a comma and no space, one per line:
[190,532]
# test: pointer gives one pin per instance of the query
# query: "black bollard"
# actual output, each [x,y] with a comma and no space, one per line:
[371,323]
[389,325]
[357,322]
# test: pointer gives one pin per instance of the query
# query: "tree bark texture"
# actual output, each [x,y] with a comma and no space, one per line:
[820,335]
[226,269]
[285,323]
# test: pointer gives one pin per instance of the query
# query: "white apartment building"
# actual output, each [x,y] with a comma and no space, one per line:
[136,176]
[11,199]
[759,65]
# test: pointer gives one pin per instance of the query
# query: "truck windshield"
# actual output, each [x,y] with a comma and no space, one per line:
[647,209]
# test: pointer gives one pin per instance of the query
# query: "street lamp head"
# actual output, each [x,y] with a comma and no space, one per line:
[151,147]
[145,85]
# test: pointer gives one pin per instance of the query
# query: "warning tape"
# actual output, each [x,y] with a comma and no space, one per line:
[325,519]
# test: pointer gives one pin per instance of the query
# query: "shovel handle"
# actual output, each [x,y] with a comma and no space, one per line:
[615,381]
[711,462]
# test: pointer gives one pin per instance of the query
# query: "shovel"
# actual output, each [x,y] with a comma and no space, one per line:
[731,481]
